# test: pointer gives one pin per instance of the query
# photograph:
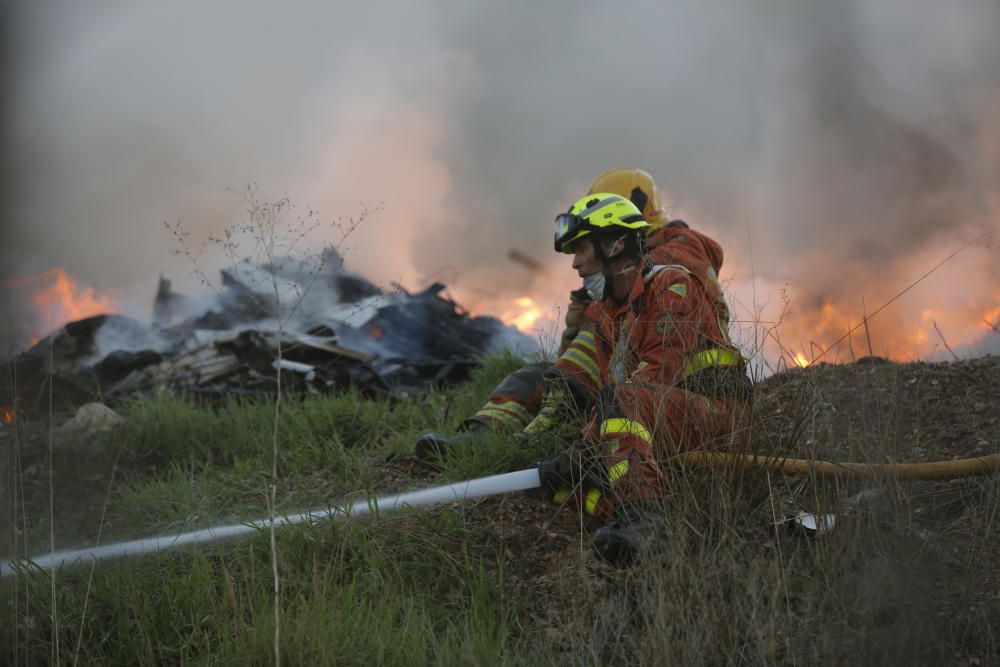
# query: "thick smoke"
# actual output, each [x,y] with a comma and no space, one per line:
[840,149]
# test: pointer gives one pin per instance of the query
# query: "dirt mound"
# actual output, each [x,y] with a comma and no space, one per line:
[873,410]
[879,411]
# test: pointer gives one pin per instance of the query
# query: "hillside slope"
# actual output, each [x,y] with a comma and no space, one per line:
[910,572]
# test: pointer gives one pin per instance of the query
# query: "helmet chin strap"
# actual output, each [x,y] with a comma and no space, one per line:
[597,284]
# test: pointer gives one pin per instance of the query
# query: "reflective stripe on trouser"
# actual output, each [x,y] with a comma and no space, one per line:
[515,401]
[709,358]
[626,447]
[637,425]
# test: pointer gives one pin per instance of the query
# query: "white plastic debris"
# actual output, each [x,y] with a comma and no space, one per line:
[814,525]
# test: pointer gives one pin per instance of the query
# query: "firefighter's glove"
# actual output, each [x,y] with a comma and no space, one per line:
[556,402]
[574,313]
[562,482]
[555,476]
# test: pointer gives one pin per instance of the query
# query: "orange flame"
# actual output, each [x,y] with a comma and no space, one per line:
[58,299]
[525,316]
[991,318]
[8,415]
[901,333]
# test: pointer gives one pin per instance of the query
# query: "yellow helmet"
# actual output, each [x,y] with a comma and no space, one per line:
[638,186]
[599,212]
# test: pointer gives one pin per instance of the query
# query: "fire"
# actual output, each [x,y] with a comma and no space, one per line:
[991,317]
[526,315]
[8,415]
[58,299]
[902,332]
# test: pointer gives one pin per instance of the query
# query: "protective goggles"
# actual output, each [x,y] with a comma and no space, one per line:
[568,228]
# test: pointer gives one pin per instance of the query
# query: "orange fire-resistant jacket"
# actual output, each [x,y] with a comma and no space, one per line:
[669,378]
[669,245]
[666,321]
[676,243]
[517,399]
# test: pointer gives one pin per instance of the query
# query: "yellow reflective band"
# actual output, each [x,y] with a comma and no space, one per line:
[561,495]
[502,417]
[505,413]
[712,275]
[590,502]
[584,363]
[619,426]
[718,357]
[511,406]
[680,289]
[505,416]
[583,348]
[618,470]
[586,339]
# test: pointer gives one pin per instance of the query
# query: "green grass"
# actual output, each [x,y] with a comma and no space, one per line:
[909,577]
[352,594]
[359,593]
[215,463]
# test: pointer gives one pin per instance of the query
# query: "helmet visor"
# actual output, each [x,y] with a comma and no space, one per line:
[568,227]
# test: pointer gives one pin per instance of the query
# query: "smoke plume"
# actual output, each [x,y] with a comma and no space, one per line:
[837,150]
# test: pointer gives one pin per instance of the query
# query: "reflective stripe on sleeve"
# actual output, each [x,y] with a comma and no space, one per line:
[585,363]
[586,339]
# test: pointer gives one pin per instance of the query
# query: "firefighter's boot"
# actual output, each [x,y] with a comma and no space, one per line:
[633,526]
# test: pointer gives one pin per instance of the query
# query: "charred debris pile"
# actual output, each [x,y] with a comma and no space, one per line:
[336,330]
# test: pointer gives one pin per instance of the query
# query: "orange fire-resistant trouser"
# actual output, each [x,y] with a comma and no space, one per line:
[517,399]
[635,428]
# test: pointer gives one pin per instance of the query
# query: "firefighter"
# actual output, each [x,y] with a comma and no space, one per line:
[642,190]
[538,396]
[516,403]
[670,380]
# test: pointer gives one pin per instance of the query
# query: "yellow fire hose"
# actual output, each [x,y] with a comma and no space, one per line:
[934,470]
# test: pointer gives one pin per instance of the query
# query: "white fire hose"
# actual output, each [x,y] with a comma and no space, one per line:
[521,480]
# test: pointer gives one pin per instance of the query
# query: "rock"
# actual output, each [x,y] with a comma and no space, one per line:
[93,417]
